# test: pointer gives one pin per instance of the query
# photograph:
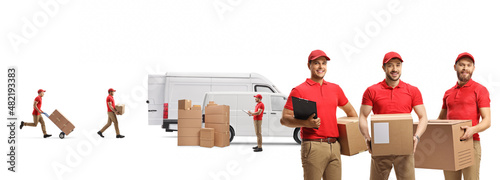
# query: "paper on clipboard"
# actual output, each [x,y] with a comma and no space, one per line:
[246,112]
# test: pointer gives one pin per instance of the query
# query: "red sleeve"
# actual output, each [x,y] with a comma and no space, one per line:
[483,97]
[294,93]
[342,99]
[108,100]
[261,106]
[444,101]
[367,98]
[417,97]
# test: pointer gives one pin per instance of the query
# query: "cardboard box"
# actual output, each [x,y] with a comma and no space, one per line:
[217,110]
[184,104]
[61,122]
[207,134]
[189,114]
[221,139]
[184,131]
[351,140]
[392,134]
[196,107]
[218,127]
[211,103]
[440,146]
[188,141]
[120,108]
[217,118]
[207,143]
[189,123]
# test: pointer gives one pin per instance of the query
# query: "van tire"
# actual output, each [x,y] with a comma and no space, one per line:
[231,131]
[296,135]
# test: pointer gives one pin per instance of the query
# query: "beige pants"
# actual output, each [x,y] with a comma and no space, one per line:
[320,159]
[404,166]
[469,173]
[258,131]
[111,118]
[36,119]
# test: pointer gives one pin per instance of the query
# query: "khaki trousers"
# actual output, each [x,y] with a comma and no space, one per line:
[258,131]
[321,160]
[36,119]
[111,118]
[404,166]
[469,173]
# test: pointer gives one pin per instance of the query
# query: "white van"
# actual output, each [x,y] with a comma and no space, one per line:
[164,91]
[242,125]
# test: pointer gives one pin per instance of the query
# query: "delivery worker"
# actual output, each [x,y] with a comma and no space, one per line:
[37,114]
[110,103]
[320,151]
[392,96]
[257,121]
[467,100]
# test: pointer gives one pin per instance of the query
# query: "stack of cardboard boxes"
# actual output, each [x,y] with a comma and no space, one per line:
[350,138]
[392,134]
[217,117]
[189,124]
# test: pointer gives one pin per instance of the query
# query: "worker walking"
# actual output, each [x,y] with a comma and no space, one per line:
[110,103]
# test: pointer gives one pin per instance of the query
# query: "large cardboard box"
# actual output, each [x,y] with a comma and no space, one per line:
[189,114]
[221,139]
[217,118]
[440,146]
[184,104]
[217,110]
[191,131]
[188,140]
[207,137]
[62,122]
[120,108]
[196,107]
[218,127]
[189,123]
[392,134]
[351,140]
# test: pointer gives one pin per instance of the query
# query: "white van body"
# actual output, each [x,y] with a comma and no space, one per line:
[172,86]
[241,123]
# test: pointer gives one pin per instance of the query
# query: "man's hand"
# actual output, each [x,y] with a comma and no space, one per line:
[369,145]
[313,123]
[249,113]
[469,132]
[415,142]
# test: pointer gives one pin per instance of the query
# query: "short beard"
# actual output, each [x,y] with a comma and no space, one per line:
[464,79]
[389,77]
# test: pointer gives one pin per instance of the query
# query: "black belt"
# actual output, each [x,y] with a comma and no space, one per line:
[327,140]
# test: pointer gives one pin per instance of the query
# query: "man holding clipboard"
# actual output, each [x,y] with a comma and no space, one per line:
[325,161]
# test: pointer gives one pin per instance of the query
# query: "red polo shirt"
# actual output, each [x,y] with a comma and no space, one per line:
[327,97]
[259,105]
[464,102]
[387,100]
[39,105]
[112,100]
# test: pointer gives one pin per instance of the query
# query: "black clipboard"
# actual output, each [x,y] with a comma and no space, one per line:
[303,108]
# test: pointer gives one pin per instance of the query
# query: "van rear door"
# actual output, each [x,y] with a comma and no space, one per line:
[156,96]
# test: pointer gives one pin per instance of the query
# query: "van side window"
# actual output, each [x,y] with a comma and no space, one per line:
[262,88]
[278,103]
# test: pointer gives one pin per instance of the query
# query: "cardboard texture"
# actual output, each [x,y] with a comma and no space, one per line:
[392,134]
[61,122]
[188,141]
[207,143]
[440,146]
[196,107]
[183,131]
[217,118]
[120,108]
[351,140]
[217,110]
[207,134]
[189,123]
[189,114]
[218,127]
[184,104]
[221,139]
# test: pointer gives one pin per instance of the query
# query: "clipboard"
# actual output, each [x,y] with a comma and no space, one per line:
[303,108]
[246,112]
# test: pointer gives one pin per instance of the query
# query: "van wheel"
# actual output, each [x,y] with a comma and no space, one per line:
[231,131]
[296,135]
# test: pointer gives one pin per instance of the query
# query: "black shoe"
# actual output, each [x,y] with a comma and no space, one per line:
[255,147]
[257,150]
[119,136]
[47,135]
[22,124]
[100,134]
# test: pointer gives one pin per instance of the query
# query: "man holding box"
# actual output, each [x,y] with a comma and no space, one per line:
[112,112]
[37,114]
[320,151]
[392,96]
[257,121]
[467,100]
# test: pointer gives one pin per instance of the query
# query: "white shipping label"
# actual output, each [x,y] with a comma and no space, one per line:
[381,133]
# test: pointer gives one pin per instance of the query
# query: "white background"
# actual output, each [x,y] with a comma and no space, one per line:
[79,49]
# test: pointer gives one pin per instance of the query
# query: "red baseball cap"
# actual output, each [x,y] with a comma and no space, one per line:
[465,54]
[391,55]
[111,89]
[258,96]
[40,90]
[316,54]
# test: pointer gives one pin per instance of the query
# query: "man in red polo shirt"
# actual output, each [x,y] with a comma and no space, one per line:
[37,114]
[467,100]
[320,151]
[110,103]
[392,96]
[257,121]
